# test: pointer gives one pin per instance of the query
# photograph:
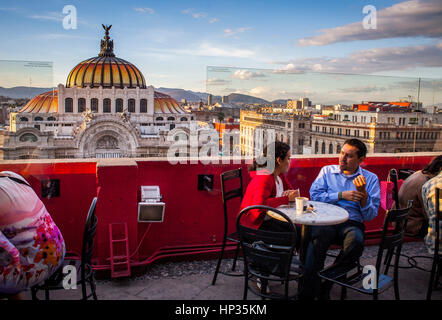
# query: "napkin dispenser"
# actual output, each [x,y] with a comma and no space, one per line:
[151,208]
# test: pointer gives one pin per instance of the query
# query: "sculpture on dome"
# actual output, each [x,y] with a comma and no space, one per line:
[87,115]
[107,45]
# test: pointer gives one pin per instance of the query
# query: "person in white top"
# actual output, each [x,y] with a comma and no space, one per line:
[31,245]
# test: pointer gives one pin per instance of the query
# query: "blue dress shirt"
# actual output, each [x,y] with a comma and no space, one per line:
[331,181]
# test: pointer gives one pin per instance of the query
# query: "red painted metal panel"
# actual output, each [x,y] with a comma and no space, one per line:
[193,220]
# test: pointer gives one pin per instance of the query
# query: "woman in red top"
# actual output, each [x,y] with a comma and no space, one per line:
[269,188]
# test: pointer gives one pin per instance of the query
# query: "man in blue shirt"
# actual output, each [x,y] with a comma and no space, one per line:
[356,190]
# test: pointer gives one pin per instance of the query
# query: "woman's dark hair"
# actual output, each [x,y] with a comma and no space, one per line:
[281,151]
[434,166]
[362,148]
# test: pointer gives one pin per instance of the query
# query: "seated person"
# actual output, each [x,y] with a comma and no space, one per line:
[269,188]
[411,189]
[31,245]
[429,197]
[356,190]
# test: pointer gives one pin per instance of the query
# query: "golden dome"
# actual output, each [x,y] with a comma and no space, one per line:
[164,103]
[106,70]
[46,102]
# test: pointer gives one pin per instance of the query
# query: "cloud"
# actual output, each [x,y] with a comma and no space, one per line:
[246,74]
[364,89]
[199,15]
[145,10]
[217,82]
[50,16]
[206,49]
[406,19]
[230,32]
[370,61]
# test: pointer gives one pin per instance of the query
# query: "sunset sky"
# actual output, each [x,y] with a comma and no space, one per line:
[275,42]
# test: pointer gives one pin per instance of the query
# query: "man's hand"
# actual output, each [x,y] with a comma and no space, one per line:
[353,195]
[360,183]
[360,195]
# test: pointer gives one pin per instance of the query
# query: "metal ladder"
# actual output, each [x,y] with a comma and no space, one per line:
[119,250]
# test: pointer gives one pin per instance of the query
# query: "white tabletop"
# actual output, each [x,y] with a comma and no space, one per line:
[326,214]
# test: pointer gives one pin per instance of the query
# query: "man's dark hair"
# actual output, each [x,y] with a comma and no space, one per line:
[362,149]
[434,166]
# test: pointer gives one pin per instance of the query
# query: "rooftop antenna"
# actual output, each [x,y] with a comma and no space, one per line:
[417,114]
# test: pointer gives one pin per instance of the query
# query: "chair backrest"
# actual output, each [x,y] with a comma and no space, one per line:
[90,229]
[437,221]
[392,239]
[269,252]
[236,192]
[394,178]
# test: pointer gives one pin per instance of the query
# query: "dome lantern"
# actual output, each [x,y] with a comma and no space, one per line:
[106,70]
[107,45]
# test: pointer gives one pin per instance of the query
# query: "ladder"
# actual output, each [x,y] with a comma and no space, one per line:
[119,250]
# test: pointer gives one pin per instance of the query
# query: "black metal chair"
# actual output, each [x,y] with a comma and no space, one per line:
[437,261]
[227,195]
[269,256]
[352,276]
[83,265]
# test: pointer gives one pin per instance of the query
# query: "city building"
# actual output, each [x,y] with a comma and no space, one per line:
[383,131]
[294,104]
[105,110]
[292,128]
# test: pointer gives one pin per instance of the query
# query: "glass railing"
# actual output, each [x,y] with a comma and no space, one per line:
[241,110]
[390,114]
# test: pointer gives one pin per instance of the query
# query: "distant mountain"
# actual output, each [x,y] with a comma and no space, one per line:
[179,94]
[280,101]
[22,92]
[243,98]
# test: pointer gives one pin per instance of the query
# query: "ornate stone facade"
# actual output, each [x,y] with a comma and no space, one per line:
[104,111]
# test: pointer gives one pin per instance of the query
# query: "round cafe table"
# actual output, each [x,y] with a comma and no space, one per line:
[326,214]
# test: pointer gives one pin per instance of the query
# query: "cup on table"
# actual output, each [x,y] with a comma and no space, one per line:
[301,204]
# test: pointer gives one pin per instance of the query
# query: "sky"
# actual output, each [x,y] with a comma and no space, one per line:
[174,43]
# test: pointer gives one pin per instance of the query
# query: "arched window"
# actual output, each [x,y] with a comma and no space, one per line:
[330,148]
[338,149]
[106,105]
[159,119]
[119,105]
[316,147]
[94,105]
[183,119]
[28,137]
[131,105]
[323,148]
[51,119]
[38,119]
[170,119]
[143,106]
[68,105]
[81,105]
[23,119]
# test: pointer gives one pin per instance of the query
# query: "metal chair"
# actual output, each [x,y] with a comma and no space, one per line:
[268,256]
[82,264]
[437,261]
[391,241]
[228,195]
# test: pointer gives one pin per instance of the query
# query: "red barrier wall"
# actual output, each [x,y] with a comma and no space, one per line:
[192,217]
